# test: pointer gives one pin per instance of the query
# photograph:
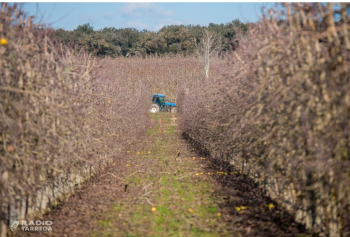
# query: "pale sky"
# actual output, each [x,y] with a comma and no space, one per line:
[141,15]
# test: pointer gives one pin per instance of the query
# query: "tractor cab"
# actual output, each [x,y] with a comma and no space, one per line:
[159,104]
[159,99]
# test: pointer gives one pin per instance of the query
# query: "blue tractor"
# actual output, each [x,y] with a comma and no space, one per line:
[159,104]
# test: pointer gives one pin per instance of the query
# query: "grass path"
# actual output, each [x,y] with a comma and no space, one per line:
[159,187]
[170,195]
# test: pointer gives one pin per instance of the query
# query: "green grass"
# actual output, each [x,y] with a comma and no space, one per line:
[153,131]
[170,130]
[104,224]
[168,120]
[133,180]
[183,205]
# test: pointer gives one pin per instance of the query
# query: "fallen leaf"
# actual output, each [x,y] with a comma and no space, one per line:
[11,149]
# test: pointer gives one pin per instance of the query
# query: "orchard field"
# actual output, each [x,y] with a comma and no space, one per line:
[259,146]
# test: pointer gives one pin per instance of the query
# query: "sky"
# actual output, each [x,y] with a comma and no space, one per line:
[141,15]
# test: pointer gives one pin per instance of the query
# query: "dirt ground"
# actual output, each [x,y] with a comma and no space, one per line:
[159,186]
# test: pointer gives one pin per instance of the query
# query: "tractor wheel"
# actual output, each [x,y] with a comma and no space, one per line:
[173,110]
[154,108]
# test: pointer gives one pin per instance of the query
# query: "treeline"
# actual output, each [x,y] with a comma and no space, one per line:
[178,39]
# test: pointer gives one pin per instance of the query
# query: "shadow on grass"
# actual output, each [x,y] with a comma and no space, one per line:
[244,204]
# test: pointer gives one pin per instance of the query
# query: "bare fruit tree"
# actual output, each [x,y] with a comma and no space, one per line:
[210,45]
